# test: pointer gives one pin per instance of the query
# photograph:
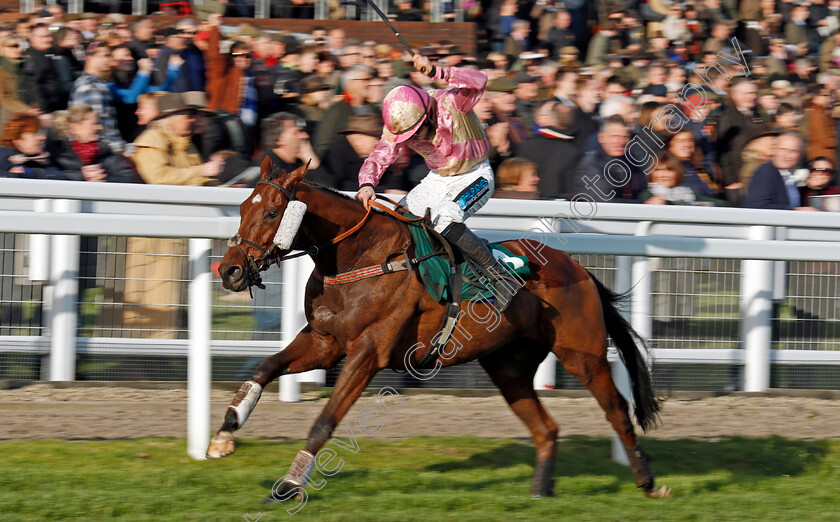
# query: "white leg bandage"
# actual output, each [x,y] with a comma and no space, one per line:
[301,468]
[245,400]
[290,224]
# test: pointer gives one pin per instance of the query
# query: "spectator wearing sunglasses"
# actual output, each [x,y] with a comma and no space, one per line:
[820,181]
[12,88]
[181,42]
[231,84]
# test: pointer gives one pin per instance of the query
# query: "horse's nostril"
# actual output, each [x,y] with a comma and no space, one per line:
[233,273]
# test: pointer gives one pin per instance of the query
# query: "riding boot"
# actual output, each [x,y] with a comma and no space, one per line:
[500,282]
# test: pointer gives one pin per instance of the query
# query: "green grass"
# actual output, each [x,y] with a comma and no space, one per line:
[460,479]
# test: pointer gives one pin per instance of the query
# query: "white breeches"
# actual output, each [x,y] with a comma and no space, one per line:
[452,199]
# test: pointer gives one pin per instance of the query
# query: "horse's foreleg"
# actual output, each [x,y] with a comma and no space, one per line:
[354,377]
[308,351]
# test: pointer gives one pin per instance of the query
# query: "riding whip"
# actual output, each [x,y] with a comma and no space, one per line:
[384,18]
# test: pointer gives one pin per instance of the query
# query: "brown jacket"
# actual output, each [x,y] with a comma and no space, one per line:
[224,81]
[822,138]
[10,103]
[163,158]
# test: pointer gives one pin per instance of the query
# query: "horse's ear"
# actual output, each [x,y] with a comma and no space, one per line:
[266,167]
[296,175]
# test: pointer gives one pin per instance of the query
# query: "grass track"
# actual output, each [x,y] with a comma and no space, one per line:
[425,479]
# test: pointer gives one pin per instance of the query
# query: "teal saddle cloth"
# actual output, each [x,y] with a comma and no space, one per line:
[434,270]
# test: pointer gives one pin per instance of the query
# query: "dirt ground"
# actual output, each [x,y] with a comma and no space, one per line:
[40,411]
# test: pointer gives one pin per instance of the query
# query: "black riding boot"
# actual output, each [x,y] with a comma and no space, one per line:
[502,284]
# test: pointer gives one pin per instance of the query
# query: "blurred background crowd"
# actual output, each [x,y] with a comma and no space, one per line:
[200,102]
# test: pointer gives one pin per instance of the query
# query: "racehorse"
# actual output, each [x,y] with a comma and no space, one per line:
[376,323]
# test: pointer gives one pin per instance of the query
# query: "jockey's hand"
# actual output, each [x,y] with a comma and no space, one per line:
[366,195]
[421,63]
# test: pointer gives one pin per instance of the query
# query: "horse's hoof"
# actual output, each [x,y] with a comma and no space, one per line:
[283,492]
[660,492]
[222,445]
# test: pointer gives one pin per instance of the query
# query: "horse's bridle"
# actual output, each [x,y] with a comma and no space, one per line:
[254,265]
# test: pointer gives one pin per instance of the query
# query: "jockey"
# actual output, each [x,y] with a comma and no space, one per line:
[441,126]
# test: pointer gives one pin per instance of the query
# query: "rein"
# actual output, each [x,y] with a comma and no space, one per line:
[255,265]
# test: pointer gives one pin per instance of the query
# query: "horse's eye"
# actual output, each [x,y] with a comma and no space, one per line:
[272,214]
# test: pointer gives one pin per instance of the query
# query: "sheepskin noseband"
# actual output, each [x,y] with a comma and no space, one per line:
[289,225]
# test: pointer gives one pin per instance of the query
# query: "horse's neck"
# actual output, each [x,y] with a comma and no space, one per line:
[330,214]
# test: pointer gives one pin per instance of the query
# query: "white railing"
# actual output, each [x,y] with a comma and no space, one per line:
[65,210]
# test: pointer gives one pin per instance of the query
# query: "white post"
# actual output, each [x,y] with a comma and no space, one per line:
[640,316]
[756,315]
[39,248]
[322,10]
[63,314]
[198,364]
[289,385]
[139,7]
[544,379]
[262,9]
[623,282]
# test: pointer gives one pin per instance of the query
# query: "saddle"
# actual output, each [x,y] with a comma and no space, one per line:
[448,276]
[434,265]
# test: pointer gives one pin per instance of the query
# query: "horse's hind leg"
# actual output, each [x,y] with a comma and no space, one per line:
[308,351]
[512,369]
[592,369]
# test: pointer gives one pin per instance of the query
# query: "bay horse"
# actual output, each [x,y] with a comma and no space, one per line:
[374,323]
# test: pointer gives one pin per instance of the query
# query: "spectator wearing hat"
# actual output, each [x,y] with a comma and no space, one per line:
[348,151]
[553,149]
[315,99]
[91,88]
[355,82]
[503,102]
[165,154]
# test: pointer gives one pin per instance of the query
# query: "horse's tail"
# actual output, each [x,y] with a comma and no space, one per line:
[630,346]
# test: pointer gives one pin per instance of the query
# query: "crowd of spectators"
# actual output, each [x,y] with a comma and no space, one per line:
[574,88]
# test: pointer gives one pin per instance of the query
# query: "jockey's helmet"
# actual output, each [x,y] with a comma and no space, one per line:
[404,110]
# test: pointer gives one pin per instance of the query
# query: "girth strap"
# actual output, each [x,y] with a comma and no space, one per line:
[368,272]
[453,308]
